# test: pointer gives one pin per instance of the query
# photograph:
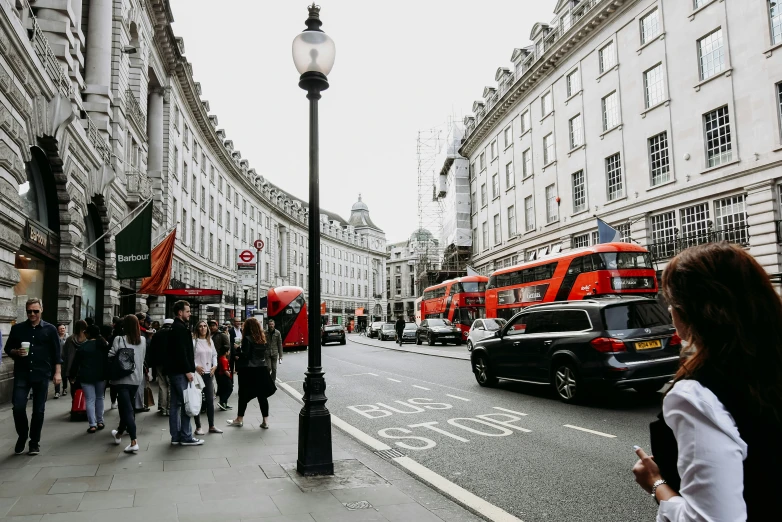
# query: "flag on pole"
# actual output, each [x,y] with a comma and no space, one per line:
[606,233]
[471,272]
[162,259]
[134,243]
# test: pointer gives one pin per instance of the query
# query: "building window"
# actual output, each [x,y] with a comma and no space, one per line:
[244,233]
[607,57]
[610,111]
[650,26]
[475,239]
[509,182]
[775,14]
[614,177]
[779,101]
[658,158]
[664,235]
[497,230]
[493,149]
[546,105]
[573,83]
[551,204]
[203,240]
[483,195]
[526,163]
[711,54]
[580,241]
[731,219]
[511,221]
[718,142]
[524,121]
[176,168]
[211,207]
[653,86]
[211,246]
[495,186]
[227,221]
[548,149]
[219,251]
[699,3]
[473,207]
[175,213]
[485,229]
[529,214]
[203,198]
[508,134]
[184,226]
[595,238]
[695,224]
[482,160]
[220,184]
[219,214]
[193,234]
[576,132]
[236,227]
[579,191]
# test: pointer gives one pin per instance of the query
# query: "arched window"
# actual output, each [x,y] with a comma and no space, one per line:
[33,192]
[93,229]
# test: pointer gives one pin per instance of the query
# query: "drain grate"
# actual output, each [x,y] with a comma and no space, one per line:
[389,454]
[359,504]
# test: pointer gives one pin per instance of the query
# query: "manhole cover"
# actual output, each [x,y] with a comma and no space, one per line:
[360,504]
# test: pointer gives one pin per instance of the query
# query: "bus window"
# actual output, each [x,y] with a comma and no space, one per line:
[468,315]
[622,260]
[469,287]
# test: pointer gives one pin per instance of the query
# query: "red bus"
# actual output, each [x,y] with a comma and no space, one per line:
[609,268]
[286,306]
[459,300]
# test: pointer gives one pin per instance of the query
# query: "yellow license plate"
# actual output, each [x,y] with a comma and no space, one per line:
[648,345]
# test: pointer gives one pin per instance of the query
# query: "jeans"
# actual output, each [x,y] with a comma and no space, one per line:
[162,394]
[127,417]
[93,395]
[271,362]
[178,420]
[225,388]
[22,389]
[209,397]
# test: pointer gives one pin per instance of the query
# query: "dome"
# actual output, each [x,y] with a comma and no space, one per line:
[359,215]
[359,205]
[421,235]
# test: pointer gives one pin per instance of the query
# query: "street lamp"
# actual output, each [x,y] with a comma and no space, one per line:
[313,55]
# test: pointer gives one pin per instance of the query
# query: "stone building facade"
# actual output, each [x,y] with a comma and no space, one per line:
[661,117]
[99,113]
[403,268]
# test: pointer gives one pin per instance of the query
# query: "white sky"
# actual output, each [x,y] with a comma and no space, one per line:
[401,67]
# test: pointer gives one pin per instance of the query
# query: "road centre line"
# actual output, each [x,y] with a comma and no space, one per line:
[440,483]
[421,387]
[356,374]
[457,397]
[509,411]
[392,380]
[607,435]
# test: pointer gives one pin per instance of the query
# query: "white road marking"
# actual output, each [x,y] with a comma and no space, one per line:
[509,411]
[607,435]
[451,490]
[392,380]
[373,374]
[356,374]
[457,397]
[421,387]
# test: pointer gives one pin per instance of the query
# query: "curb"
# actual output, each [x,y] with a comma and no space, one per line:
[465,357]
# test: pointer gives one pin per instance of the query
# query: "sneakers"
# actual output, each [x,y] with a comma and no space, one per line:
[56,395]
[117,437]
[64,393]
[264,426]
[132,448]
[175,443]
[191,442]
[214,429]
[114,405]
[20,444]
[199,431]
[222,406]
[35,449]
[229,406]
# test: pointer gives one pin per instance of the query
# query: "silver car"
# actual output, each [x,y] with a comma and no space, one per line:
[482,328]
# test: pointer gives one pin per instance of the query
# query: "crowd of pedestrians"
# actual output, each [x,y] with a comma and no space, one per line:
[126,357]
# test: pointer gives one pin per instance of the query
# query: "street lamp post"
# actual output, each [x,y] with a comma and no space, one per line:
[313,55]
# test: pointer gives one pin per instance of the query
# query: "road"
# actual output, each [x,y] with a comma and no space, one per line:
[517,446]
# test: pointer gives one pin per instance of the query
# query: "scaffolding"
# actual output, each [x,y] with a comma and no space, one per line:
[430,210]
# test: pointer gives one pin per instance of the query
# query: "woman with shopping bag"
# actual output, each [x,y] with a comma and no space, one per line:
[206,365]
[254,378]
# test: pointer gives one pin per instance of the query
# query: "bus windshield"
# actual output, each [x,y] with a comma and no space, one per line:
[622,260]
[469,287]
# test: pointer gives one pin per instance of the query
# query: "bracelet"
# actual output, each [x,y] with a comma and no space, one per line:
[657,483]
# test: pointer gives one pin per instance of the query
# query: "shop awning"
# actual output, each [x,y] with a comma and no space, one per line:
[359,311]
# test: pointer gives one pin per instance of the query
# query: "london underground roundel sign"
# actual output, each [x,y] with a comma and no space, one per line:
[258,244]
[247,256]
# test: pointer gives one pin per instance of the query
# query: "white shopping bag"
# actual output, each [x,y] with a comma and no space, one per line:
[192,400]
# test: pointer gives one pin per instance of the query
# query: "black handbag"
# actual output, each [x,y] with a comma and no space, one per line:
[123,363]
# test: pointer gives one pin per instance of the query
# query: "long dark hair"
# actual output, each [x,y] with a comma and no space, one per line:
[131,328]
[734,317]
[252,330]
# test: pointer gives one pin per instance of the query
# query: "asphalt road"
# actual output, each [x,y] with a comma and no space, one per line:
[516,445]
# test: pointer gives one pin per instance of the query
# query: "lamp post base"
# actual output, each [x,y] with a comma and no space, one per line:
[314,428]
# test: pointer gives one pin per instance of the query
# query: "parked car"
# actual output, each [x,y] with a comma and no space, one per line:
[576,346]
[408,334]
[374,329]
[482,328]
[332,333]
[387,332]
[438,330]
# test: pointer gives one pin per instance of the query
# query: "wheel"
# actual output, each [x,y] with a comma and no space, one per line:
[648,388]
[469,345]
[431,340]
[343,341]
[418,339]
[483,374]
[566,381]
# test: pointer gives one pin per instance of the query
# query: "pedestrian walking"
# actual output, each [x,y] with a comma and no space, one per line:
[235,336]
[399,326]
[139,401]
[254,378]
[89,368]
[715,442]
[35,348]
[63,335]
[156,358]
[206,365]
[273,349]
[128,385]
[180,366]
[72,344]
[225,379]
[116,331]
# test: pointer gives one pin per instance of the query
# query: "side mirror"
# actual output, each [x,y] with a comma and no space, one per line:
[498,334]
[481,328]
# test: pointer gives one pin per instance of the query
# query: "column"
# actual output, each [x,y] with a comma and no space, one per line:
[54,19]
[155,134]
[97,75]
[761,218]
[284,257]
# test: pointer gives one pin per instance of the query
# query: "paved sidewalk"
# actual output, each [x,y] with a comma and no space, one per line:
[451,352]
[244,474]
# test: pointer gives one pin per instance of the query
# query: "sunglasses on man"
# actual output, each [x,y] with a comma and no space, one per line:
[33,312]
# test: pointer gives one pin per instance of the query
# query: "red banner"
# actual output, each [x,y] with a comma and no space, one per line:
[162,258]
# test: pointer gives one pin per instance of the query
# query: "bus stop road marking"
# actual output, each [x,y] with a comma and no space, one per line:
[593,432]
[457,397]
[421,387]
[392,380]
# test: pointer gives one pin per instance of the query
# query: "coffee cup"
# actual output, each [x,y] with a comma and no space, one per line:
[25,349]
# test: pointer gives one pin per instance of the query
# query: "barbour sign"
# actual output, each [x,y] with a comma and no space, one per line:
[134,245]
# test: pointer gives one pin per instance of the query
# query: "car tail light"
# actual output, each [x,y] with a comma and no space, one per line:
[675,340]
[608,345]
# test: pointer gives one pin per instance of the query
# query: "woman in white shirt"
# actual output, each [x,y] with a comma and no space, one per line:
[206,365]
[715,445]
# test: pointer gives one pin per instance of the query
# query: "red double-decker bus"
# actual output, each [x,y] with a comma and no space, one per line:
[609,268]
[459,300]
[286,306]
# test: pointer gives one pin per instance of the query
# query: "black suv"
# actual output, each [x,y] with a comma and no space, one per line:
[332,333]
[438,330]
[577,345]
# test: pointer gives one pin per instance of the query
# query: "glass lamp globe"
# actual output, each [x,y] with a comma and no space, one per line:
[314,51]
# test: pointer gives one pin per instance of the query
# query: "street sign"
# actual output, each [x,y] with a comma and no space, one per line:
[258,244]
[247,277]
[247,256]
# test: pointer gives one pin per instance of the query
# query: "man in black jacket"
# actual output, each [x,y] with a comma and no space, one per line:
[400,328]
[156,358]
[180,366]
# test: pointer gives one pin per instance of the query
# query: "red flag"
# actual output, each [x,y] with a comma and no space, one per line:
[162,258]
